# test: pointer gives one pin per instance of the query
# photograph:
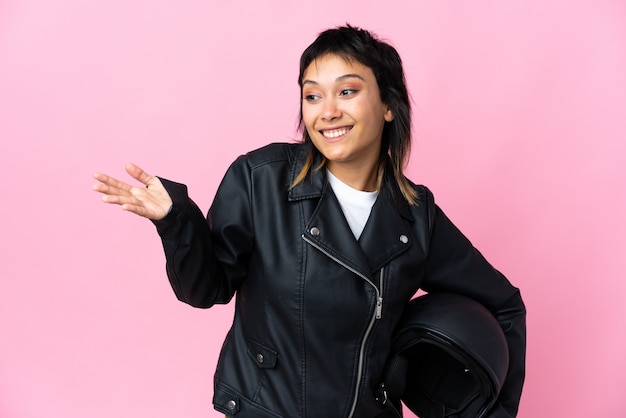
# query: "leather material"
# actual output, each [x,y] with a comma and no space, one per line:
[308,294]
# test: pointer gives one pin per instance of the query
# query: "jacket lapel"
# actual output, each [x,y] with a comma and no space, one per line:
[328,230]
[386,234]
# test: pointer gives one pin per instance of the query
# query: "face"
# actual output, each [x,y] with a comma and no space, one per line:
[344,115]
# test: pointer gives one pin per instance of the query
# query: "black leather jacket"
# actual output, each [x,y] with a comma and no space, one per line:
[315,309]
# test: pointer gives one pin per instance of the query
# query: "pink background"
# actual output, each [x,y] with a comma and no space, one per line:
[520,124]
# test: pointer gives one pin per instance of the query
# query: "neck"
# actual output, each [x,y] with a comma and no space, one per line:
[364,178]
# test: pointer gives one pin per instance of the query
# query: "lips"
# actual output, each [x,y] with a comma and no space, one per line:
[335,133]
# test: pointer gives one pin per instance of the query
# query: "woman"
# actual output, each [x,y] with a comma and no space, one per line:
[324,242]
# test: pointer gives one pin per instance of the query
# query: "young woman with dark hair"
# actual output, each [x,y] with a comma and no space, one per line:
[324,243]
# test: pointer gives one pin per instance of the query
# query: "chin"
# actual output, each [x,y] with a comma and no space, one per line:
[334,156]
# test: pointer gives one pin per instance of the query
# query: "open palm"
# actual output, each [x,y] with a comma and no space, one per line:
[150,200]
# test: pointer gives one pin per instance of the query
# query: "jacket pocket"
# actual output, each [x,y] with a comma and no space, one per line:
[230,402]
[263,356]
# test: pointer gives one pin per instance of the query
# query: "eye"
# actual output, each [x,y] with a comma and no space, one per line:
[310,97]
[348,92]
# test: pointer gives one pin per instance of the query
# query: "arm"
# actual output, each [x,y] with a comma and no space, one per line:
[207,258]
[454,265]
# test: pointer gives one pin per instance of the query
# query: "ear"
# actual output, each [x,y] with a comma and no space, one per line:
[388,115]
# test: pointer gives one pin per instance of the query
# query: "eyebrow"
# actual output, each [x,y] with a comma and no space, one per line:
[340,78]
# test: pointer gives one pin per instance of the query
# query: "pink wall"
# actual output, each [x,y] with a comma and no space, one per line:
[520,113]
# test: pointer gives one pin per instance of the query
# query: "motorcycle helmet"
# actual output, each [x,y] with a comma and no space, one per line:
[449,358]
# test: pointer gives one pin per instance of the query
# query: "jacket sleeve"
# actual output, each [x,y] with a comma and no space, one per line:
[206,258]
[454,265]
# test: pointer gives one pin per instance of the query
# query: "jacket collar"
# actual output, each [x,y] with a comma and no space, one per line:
[313,184]
[387,232]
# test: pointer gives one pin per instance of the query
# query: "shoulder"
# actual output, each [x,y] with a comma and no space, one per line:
[271,164]
[424,208]
[274,153]
[425,196]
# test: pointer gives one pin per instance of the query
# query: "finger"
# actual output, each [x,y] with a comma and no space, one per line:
[137,210]
[111,182]
[110,190]
[121,199]
[138,174]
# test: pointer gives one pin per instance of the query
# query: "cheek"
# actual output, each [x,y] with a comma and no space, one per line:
[307,117]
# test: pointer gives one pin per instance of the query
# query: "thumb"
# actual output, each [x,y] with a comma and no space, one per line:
[138,174]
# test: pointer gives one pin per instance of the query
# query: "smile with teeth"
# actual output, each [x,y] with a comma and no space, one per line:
[335,133]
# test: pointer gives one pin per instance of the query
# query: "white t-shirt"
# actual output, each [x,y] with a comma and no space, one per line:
[356,204]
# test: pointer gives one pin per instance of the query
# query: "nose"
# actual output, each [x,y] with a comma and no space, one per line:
[330,111]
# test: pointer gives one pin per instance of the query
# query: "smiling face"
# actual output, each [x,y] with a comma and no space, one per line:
[344,117]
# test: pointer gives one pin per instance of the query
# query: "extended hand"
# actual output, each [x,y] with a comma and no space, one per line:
[150,201]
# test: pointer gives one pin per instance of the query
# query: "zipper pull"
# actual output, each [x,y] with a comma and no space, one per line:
[379,308]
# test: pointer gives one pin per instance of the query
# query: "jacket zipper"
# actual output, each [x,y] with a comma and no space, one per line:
[378,312]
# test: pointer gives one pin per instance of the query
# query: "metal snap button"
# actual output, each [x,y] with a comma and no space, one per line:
[231,405]
[315,231]
[404,239]
[260,358]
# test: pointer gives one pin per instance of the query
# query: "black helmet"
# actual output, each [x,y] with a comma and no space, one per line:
[449,358]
